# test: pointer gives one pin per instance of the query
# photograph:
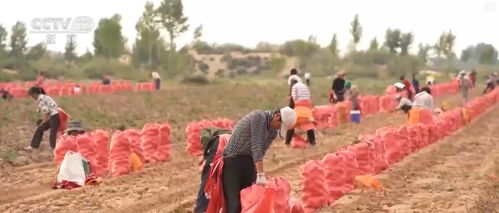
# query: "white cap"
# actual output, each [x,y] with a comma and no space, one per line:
[288,117]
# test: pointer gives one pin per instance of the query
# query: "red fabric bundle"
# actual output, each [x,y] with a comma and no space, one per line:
[364,154]
[64,144]
[163,150]
[336,176]
[298,142]
[134,139]
[256,199]
[314,191]
[101,139]
[150,138]
[119,154]
[63,117]
[86,147]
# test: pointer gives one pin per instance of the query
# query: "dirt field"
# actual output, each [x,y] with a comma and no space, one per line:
[457,174]
[170,186]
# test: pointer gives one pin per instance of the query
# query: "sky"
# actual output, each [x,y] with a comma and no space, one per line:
[248,22]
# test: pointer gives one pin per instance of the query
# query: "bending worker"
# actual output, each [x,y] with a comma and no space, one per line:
[300,94]
[242,162]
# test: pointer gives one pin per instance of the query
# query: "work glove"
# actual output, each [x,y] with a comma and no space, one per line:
[260,179]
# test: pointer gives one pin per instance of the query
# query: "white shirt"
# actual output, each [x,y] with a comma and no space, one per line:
[300,91]
[423,100]
[46,105]
[76,90]
[155,75]
[294,77]
[307,75]
[404,101]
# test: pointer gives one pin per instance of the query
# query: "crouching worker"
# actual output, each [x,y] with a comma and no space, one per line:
[242,161]
[213,142]
[300,95]
[74,128]
[50,118]
[404,104]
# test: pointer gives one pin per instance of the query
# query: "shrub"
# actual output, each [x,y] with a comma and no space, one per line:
[196,79]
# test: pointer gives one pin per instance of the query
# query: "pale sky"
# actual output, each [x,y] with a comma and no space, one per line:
[248,22]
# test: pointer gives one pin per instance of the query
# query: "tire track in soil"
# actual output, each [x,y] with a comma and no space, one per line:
[452,175]
[151,187]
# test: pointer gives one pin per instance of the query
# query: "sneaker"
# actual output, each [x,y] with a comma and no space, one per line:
[28,148]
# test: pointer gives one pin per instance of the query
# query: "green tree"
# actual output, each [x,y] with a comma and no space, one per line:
[36,52]
[423,52]
[148,38]
[405,42]
[173,20]
[488,53]
[467,53]
[18,39]
[445,44]
[392,40]
[108,40]
[3,37]
[356,31]
[198,33]
[374,46]
[69,50]
[333,46]
[299,48]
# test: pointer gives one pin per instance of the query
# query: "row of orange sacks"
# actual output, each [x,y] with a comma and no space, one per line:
[327,180]
[67,88]
[111,154]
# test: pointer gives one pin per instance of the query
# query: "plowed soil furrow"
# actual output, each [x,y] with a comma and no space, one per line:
[172,185]
[456,174]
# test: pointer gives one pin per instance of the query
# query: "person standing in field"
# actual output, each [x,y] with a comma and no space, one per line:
[157,80]
[293,77]
[307,78]
[40,79]
[300,94]
[472,77]
[50,118]
[415,83]
[407,85]
[464,85]
[338,87]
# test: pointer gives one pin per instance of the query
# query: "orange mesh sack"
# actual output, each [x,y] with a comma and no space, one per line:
[336,176]
[101,140]
[64,144]
[314,191]
[257,199]
[134,139]
[119,154]
[150,138]
[163,150]
[86,147]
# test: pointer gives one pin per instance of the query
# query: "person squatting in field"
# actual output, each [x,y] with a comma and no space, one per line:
[242,161]
[48,109]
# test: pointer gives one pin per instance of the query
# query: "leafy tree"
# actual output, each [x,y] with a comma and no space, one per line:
[198,33]
[3,37]
[445,44]
[356,31]
[333,46]
[423,52]
[405,43]
[108,40]
[148,38]
[299,48]
[488,53]
[69,50]
[86,57]
[393,40]
[18,39]
[374,46]
[467,53]
[36,52]
[173,19]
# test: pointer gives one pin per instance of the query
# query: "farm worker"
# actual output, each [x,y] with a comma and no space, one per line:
[348,86]
[40,79]
[415,83]
[399,86]
[404,104]
[293,77]
[77,90]
[300,94]
[157,80]
[407,87]
[211,139]
[5,94]
[307,78]
[491,83]
[473,77]
[74,128]
[338,87]
[423,99]
[50,118]
[354,97]
[242,161]
[464,84]
[106,80]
